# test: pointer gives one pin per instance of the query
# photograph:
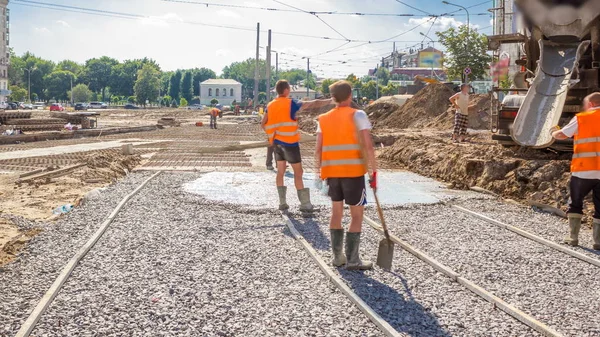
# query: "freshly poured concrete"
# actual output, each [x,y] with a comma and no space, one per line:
[258,189]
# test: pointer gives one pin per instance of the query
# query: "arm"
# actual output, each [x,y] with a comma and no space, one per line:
[370,151]
[559,135]
[264,121]
[453,100]
[318,153]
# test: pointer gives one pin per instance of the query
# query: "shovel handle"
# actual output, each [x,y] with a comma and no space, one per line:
[381,218]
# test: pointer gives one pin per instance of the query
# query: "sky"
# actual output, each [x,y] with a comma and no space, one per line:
[181,34]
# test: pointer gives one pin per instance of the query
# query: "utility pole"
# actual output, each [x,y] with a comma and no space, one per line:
[307,77]
[256,74]
[277,66]
[71,89]
[28,70]
[269,67]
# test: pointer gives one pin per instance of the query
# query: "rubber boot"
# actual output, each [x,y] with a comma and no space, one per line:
[304,197]
[282,190]
[596,234]
[574,226]
[337,246]
[354,262]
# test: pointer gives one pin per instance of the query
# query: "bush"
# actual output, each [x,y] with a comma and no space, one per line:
[131,99]
[214,101]
[166,101]
[195,100]
[183,102]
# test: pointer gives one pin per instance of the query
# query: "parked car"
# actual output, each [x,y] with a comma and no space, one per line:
[81,106]
[196,107]
[12,106]
[131,106]
[98,105]
[57,107]
[28,106]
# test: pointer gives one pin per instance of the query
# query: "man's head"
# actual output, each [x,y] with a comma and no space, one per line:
[464,88]
[591,101]
[341,92]
[283,88]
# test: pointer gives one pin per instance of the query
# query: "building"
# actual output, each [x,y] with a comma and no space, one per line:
[4,52]
[298,92]
[425,62]
[224,90]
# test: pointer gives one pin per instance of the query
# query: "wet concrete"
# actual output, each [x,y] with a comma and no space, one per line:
[257,189]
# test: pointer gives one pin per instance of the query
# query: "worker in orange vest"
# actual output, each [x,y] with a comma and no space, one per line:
[585,167]
[343,135]
[280,122]
[214,112]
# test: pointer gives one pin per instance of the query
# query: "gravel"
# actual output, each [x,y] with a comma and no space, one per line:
[543,224]
[25,280]
[413,297]
[174,264]
[556,289]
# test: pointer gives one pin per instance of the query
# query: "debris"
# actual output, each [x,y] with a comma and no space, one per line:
[63,209]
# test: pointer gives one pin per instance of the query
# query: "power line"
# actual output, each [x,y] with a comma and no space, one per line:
[328,25]
[407,5]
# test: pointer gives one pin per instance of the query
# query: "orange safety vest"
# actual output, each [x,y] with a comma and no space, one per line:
[215,112]
[280,124]
[341,156]
[586,152]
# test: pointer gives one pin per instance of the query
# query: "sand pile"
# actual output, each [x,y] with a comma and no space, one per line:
[105,168]
[428,108]
[307,119]
[516,173]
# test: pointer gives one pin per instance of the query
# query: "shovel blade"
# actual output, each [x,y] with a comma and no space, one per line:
[385,254]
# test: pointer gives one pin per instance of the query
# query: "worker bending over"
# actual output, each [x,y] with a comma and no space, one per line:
[214,112]
[280,122]
[343,134]
[585,167]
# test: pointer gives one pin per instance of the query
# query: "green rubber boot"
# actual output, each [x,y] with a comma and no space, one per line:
[574,226]
[282,190]
[304,197]
[337,246]
[354,262]
[596,234]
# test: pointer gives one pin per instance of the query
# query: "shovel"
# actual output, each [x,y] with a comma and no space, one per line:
[385,254]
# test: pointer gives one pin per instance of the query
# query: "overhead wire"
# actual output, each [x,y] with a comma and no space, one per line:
[315,15]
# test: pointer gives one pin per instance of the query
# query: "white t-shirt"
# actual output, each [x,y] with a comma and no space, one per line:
[570,130]
[360,119]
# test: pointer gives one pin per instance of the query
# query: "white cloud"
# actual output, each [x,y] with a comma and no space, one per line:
[442,23]
[63,23]
[42,31]
[223,52]
[161,21]
[228,14]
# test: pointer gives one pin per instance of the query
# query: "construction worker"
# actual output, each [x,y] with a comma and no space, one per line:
[280,122]
[460,101]
[343,134]
[585,167]
[214,112]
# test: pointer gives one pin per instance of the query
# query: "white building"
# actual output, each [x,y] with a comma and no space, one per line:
[298,92]
[4,53]
[224,90]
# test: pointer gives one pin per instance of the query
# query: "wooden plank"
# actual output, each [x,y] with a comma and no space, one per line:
[49,296]
[54,173]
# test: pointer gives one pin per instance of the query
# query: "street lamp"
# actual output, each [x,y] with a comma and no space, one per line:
[29,83]
[432,46]
[71,77]
[465,9]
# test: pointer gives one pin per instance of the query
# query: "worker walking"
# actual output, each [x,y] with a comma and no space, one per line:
[281,125]
[460,101]
[214,112]
[585,167]
[343,134]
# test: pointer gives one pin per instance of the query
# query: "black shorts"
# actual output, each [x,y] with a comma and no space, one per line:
[291,154]
[351,190]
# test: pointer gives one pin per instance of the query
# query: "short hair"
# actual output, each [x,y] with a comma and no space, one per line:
[594,99]
[281,86]
[340,91]
[462,86]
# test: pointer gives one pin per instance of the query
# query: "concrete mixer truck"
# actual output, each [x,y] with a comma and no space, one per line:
[559,47]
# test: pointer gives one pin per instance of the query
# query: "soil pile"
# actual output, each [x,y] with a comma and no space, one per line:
[307,119]
[515,173]
[429,108]
[105,168]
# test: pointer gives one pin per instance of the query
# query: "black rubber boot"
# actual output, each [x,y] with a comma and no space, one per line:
[337,246]
[354,262]
[574,227]
[282,190]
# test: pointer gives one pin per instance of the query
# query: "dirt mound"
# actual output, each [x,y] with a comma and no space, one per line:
[429,108]
[307,119]
[519,174]
[104,168]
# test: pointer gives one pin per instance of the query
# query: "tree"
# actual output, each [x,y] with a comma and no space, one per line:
[384,75]
[389,90]
[81,93]
[325,86]
[98,73]
[354,80]
[72,66]
[214,101]
[243,72]
[464,50]
[58,84]
[147,84]
[18,94]
[39,69]
[167,100]
[124,75]
[187,87]
[369,90]
[199,76]
[131,99]
[175,85]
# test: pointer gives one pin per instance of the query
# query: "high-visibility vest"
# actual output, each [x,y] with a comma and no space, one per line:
[341,154]
[586,151]
[215,112]
[280,125]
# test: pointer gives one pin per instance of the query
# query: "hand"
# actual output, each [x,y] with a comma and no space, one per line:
[318,183]
[373,180]
[554,129]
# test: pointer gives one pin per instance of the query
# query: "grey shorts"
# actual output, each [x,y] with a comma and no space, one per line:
[350,190]
[291,154]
